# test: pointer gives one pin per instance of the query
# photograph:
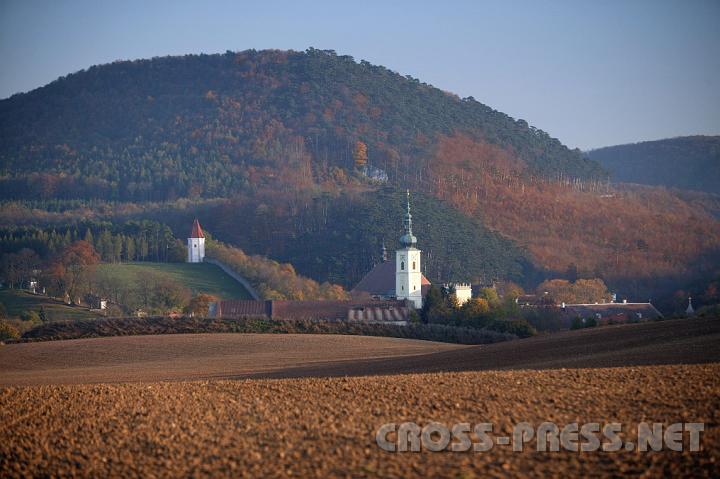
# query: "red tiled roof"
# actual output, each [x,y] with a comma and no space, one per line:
[380,281]
[197,231]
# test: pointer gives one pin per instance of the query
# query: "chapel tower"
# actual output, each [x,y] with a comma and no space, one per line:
[196,244]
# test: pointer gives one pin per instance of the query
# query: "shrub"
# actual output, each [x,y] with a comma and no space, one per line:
[517,327]
[8,331]
[31,316]
[709,311]
[162,325]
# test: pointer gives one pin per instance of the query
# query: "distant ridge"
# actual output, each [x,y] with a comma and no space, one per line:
[688,162]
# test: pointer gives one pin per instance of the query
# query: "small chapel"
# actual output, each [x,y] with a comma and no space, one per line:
[196,244]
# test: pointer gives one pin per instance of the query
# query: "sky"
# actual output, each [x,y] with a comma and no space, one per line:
[591,73]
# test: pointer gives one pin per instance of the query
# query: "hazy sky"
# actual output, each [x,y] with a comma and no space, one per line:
[589,73]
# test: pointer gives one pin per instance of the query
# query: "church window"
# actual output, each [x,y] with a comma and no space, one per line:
[413,265]
[402,265]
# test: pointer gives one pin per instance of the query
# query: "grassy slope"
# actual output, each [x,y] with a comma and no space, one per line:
[198,278]
[17,301]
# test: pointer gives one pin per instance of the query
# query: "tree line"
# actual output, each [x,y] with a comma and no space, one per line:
[144,240]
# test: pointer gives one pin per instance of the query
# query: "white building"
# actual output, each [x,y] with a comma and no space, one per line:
[408,277]
[196,244]
[462,291]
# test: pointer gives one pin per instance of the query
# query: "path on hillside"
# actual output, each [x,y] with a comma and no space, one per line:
[234,356]
[234,275]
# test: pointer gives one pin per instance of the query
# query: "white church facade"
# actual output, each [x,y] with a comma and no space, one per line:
[196,244]
[408,276]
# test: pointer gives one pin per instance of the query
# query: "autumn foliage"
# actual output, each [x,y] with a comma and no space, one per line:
[72,269]
[606,231]
[273,280]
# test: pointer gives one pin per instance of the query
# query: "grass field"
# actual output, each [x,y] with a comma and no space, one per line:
[16,301]
[198,278]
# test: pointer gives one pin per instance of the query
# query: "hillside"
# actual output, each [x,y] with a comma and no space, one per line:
[18,301]
[339,237]
[691,162]
[211,125]
[269,149]
[197,278]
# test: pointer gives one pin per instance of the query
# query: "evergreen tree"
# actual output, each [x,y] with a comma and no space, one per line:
[130,248]
[117,248]
[89,237]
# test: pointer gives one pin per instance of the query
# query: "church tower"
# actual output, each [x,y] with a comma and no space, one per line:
[196,244]
[408,278]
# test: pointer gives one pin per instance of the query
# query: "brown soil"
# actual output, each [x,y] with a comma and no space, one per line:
[325,427]
[234,356]
[190,356]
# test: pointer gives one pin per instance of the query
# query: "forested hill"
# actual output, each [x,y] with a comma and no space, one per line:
[212,125]
[691,162]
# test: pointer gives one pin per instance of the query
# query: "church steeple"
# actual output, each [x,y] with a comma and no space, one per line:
[408,240]
[408,275]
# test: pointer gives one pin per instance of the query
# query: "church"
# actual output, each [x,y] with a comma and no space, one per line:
[387,294]
[401,279]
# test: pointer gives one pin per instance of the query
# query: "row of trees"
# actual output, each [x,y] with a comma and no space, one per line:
[581,291]
[152,293]
[273,280]
[487,311]
[130,241]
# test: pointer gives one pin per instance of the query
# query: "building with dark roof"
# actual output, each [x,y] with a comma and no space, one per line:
[379,283]
[605,313]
